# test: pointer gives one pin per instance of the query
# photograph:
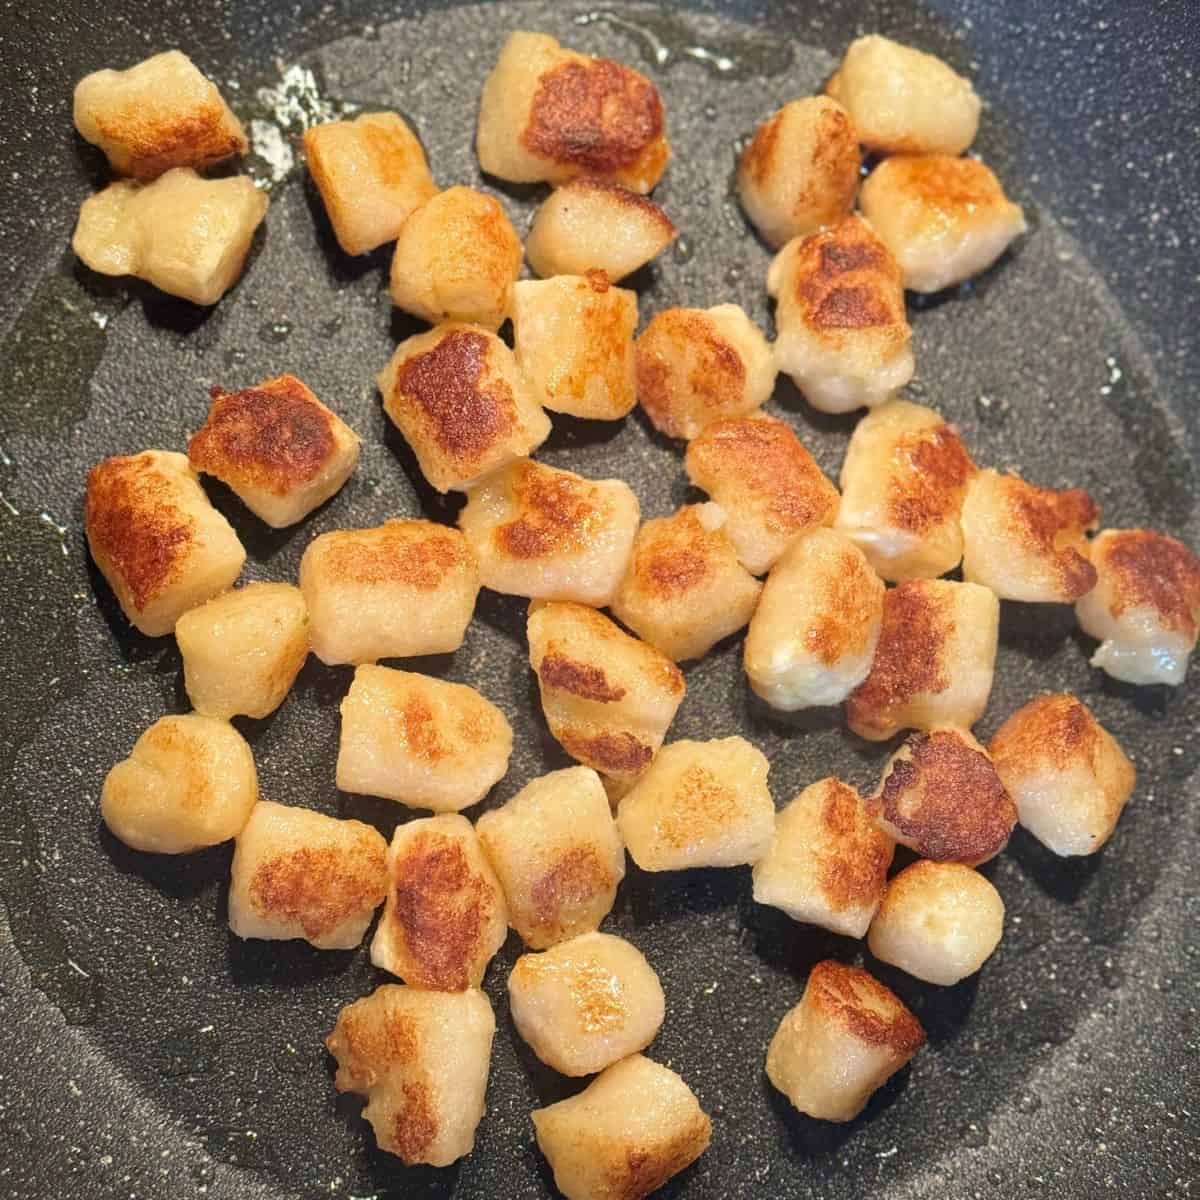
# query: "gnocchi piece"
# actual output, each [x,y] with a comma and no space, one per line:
[700,804]
[158,114]
[243,649]
[828,861]
[557,853]
[278,447]
[813,636]
[189,782]
[573,338]
[549,115]
[187,236]
[445,916]
[685,589]
[421,1059]
[938,921]
[841,330]
[847,1037]
[400,590]
[940,796]
[585,1004]
[371,173]
[462,404]
[1067,775]
[768,485]
[695,366]
[1026,542]
[904,479]
[457,258]
[421,741]
[1145,608]
[934,662]
[945,219]
[156,538]
[904,101]
[301,874]
[550,534]
[607,697]
[635,1126]
[800,170]
[592,225]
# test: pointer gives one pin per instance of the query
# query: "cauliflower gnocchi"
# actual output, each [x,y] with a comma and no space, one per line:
[587,1003]
[635,1126]
[940,796]
[904,101]
[243,650]
[189,782]
[695,366]
[847,1037]
[607,697]
[557,853]
[685,589]
[842,334]
[938,921]
[904,479]
[421,1059]
[1067,775]
[828,861]
[813,636]
[1026,542]
[155,537]
[462,404]
[457,258]
[277,447]
[768,485]
[400,590]
[371,173]
[301,874]
[158,114]
[573,338]
[800,170]
[1145,608]
[549,115]
[421,741]
[934,662]
[445,915]
[700,804]
[945,219]
[187,236]
[592,225]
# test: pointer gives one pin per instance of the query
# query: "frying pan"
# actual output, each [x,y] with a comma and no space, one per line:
[149,1053]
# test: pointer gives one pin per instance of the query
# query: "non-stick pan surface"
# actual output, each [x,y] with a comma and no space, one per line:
[148,1053]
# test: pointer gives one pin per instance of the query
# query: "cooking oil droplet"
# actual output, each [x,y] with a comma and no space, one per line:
[733,275]
[234,356]
[682,250]
[973,1136]
[276,331]
[710,112]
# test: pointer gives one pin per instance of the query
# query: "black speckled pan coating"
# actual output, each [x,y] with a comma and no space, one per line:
[149,1053]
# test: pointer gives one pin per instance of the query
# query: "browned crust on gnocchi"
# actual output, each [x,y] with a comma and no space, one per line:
[613,753]
[928,491]
[558,513]
[843,623]
[574,879]
[1042,517]
[1154,571]
[635,201]
[855,878]
[646,1169]
[853,998]
[1058,727]
[580,679]
[398,553]
[197,139]
[947,183]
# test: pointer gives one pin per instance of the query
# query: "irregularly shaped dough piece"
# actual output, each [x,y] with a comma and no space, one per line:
[243,649]
[557,853]
[301,874]
[631,1129]
[187,236]
[445,916]
[685,589]
[462,404]
[371,173]
[550,115]
[695,366]
[158,114]
[422,741]
[156,538]
[1067,774]
[189,782]
[421,1059]
[592,225]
